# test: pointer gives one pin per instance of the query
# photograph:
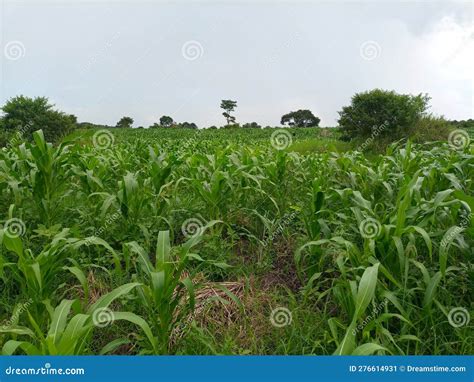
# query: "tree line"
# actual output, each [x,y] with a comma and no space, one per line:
[383,113]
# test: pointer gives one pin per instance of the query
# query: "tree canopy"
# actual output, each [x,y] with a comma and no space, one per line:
[26,115]
[300,118]
[125,122]
[383,111]
[228,106]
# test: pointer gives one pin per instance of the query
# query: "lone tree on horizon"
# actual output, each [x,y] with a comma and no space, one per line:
[228,106]
[125,122]
[300,118]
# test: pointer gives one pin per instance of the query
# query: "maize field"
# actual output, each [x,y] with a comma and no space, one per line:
[174,241]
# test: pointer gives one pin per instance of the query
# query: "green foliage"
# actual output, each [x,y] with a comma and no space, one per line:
[125,122]
[228,106]
[369,253]
[300,118]
[166,121]
[429,129]
[382,112]
[252,125]
[463,124]
[24,115]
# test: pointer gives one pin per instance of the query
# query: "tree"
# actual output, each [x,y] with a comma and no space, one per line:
[26,115]
[188,125]
[252,125]
[166,121]
[300,118]
[382,112]
[228,106]
[125,122]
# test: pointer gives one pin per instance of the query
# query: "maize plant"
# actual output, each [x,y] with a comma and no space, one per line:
[205,233]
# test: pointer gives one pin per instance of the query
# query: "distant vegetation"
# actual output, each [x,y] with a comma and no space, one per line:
[23,115]
[377,117]
[300,118]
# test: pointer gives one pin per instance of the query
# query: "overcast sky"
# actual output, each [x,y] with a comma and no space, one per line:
[101,60]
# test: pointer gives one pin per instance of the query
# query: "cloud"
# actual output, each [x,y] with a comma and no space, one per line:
[103,60]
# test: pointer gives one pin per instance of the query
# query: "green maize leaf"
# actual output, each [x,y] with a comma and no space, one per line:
[163,249]
[369,349]
[59,320]
[12,346]
[137,320]
[366,290]
[104,301]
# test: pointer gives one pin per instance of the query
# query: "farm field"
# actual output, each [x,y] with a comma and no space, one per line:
[237,241]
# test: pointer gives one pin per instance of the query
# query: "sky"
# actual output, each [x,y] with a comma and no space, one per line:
[101,60]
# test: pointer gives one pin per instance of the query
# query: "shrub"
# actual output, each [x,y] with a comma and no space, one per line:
[125,122]
[25,115]
[252,125]
[187,125]
[388,113]
[430,128]
[231,126]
